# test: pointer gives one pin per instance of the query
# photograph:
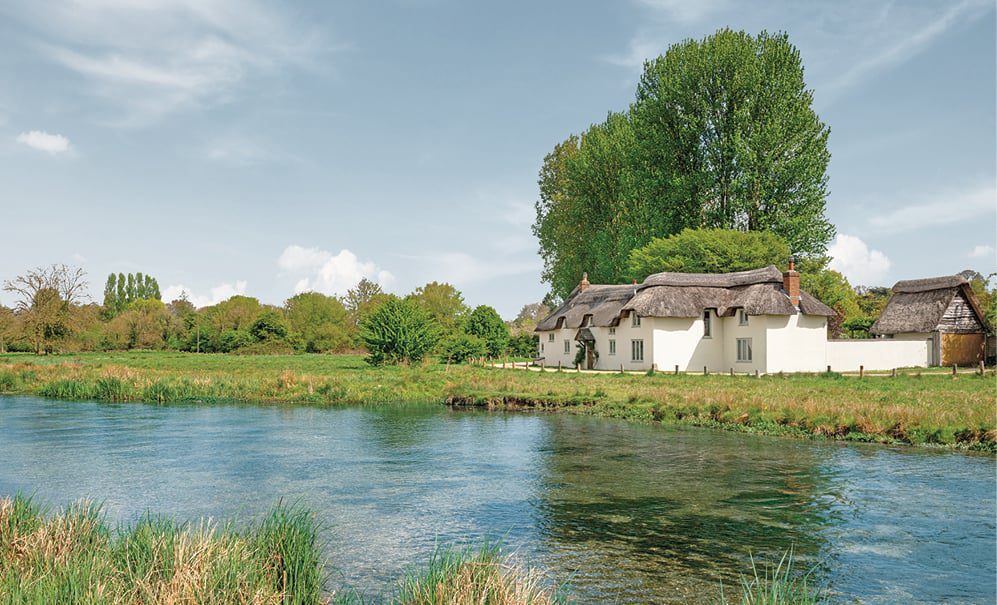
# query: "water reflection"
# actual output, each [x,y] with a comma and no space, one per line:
[630,513]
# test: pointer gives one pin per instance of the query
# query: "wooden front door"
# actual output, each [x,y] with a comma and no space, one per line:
[962,349]
[589,357]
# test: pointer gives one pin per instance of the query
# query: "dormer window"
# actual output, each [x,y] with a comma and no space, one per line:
[707,332]
[742,317]
[634,320]
[586,321]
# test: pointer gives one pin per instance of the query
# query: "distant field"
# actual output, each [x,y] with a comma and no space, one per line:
[916,407]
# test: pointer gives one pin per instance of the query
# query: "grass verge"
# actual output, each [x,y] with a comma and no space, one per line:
[915,408]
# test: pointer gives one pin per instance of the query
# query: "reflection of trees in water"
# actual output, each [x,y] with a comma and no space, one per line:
[649,514]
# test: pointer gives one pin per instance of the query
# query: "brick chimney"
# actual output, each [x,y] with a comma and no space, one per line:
[585,282]
[791,283]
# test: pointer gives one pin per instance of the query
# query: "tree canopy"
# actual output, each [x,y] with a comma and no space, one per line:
[721,135]
[485,323]
[708,251]
[120,290]
[398,331]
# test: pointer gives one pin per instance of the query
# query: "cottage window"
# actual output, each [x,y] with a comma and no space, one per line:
[634,320]
[541,347]
[612,347]
[706,324]
[567,346]
[612,331]
[742,317]
[550,337]
[743,350]
[637,350]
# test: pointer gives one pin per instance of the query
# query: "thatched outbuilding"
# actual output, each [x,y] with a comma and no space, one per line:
[942,309]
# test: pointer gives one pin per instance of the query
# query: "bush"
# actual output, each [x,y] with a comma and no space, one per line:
[458,348]
[485,323]
[524,345]
[270,325]
[234,339]
[399,331]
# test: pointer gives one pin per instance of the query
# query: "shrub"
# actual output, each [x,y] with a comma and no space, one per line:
[399,331]
[270,325]
[524,345]
[235,339]
[458,348]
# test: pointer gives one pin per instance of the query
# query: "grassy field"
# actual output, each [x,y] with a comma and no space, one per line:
[916,407]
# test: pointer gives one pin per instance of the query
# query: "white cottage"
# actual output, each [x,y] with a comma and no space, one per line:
[745,321]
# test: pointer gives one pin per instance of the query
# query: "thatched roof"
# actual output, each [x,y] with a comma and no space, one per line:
[917,305]
[759,292]
[603,303]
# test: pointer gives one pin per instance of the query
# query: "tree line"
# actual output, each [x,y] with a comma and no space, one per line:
[53,314]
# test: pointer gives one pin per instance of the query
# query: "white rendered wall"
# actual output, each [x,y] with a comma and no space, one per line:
[756,331]
[795,343]
[553,352]
[680,341]
[877,354]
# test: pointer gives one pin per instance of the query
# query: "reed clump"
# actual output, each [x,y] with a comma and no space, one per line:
[476,576]
[73,556]
[774,585]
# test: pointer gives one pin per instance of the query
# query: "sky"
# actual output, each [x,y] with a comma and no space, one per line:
[269,148]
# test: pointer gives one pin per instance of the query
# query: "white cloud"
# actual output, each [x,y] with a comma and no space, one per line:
[981,251]
[851,257]
[940,209]
[53,144]
[152,57]
[214,296]
[79,259]
[322,271]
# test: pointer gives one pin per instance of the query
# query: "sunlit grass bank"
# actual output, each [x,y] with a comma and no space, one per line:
[73,556]
[912,408]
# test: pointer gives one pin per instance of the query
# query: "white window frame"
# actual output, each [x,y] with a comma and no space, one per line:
[567,346]
[742,317]
[634,320]
[612,346]
[550,337]
[743,350]
[541,347]
[612,331]
[637,346]
[707,324]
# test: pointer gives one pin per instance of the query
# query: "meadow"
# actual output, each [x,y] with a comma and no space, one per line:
[917,407]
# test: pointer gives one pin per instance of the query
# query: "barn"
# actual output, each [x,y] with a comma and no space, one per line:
[943,310]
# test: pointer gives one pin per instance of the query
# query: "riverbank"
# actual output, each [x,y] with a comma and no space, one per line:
[74,556]
[914,408]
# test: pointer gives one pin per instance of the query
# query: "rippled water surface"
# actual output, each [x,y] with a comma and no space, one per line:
[630,513]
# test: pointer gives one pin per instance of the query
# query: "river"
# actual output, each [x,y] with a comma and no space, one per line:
[626,512]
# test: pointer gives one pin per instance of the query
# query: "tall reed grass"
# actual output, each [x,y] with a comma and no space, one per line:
[73,556]
[774,585]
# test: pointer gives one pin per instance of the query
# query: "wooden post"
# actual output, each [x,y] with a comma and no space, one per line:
[578,367]
[893,374]
[621,368]
[654,368]
[676,369]
[955,369]
[732,371]
[706,372]
[541,365]
[861,371]
[756,373]
[828,369]
[558,365]
[982,368]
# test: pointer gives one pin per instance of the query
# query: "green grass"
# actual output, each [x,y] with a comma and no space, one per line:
[917,407]
[775,585]
[73,556]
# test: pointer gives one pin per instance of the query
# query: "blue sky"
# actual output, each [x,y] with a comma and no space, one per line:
[266,148]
